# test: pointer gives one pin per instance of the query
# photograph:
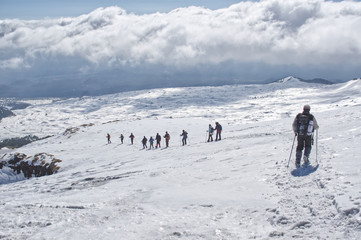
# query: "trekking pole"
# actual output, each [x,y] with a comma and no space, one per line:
[291,151]
[206,135]
[316,145]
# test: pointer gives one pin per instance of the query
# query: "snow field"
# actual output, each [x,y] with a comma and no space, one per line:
[237,188]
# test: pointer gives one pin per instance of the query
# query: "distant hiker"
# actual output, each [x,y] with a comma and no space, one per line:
[108,137]
[144,142]
[210,133]
[121,138]
[158,138]
[151,140]
[219,131]
[131,138]
[303,126]
[167,138]
[185,136]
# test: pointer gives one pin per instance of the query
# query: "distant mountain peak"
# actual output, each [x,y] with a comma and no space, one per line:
[288,79]
[296,79]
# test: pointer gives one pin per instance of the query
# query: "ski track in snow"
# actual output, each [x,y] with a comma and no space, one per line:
[238,188]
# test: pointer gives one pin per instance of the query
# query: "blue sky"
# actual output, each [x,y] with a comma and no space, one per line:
[35,9]
[38,9]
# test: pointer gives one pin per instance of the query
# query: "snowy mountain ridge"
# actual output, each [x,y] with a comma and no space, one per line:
[236,188]
[294,80]
[288,79]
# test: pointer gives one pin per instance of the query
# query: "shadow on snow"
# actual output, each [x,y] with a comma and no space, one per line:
[304,171]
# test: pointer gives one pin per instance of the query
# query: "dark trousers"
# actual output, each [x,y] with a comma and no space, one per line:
[303,142]
[218,136]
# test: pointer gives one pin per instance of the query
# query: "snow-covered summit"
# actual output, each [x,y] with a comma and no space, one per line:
[296,80]
[288,79]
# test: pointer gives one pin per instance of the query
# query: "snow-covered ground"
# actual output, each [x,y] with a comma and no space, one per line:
[237,188]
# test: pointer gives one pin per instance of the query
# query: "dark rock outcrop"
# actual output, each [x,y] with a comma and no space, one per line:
[31,166]
[4,112]
[18,105]
[18,141]
[71,131]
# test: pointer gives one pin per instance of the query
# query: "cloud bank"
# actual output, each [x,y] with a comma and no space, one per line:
[110,50]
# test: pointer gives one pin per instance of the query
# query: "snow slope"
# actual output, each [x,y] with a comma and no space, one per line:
[237,188]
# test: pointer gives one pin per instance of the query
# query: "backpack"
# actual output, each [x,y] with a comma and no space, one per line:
[211,130]
[305,124]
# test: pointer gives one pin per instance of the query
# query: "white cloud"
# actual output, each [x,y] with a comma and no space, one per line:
[293,33]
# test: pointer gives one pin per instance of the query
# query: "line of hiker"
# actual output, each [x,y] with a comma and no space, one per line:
[158,138]
[151,140]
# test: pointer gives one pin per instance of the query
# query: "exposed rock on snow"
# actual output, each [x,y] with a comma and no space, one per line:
[72,130]
[4,112]
[18,141]
[17,105]
[38,165]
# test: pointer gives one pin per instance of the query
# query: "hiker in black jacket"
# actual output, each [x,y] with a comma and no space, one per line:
[303,127]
